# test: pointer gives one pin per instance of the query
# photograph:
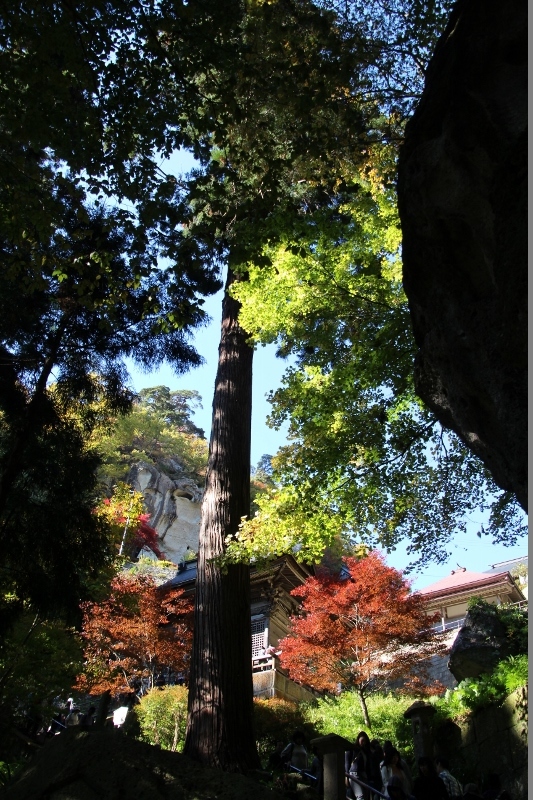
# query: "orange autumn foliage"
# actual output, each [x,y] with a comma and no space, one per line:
[362,628]
[137,632]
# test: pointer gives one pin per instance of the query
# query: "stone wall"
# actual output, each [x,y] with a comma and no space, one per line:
[438,671]
[272,683]
[434,668]
[491,740]
[437,666]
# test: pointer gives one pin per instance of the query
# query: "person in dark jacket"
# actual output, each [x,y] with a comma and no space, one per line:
[428,785]
[388,747]
[365,765]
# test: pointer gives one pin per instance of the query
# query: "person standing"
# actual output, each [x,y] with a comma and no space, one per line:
[88,719]
[73,718]
[365,766]
[453,787]
[428,785]
[392,767]
[295,754]
[274,759]
[387,747]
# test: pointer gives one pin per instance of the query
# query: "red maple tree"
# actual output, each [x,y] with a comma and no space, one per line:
[145,536]
[130,526]
[136,633]
[361,628]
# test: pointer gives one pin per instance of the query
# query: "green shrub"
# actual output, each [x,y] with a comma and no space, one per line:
[343,715]
[513,672]
[161,719]
[514,620]
[473,694]
[275,721]
[9,770]
[162,716]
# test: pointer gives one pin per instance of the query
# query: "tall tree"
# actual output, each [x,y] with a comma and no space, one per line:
[296,119]
[173,408]
[361,628]
[220,695]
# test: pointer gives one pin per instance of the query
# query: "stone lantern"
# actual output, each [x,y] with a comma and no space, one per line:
[332,748]
[420,714]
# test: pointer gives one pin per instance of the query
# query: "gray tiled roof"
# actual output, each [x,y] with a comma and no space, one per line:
[506,566]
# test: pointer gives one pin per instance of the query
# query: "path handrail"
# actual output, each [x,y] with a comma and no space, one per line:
[303,772]
[354,777]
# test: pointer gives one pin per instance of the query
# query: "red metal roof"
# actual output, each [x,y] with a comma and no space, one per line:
[461,579]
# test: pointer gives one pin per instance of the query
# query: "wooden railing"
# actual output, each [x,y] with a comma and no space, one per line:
[262,663]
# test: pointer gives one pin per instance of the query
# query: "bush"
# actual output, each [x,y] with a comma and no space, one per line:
[513,672]
[343,716]
[10,770]
[161,719]
[513,619]
[162,716]
[473,694]
[275,721]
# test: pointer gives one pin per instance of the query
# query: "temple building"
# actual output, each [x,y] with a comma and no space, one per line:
[450,595]
[271,607]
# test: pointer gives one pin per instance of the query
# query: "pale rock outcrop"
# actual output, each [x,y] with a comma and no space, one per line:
[174,506]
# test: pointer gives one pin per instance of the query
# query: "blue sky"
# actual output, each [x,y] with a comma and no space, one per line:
[467,550]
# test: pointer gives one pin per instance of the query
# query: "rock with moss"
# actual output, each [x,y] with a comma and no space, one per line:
[489,635]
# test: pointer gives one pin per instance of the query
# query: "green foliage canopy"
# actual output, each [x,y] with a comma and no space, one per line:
[162,716]
[39,660]
[158,430]
[86,214]
[367,460]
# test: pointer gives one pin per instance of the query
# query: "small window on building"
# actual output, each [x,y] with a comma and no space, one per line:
[259,636]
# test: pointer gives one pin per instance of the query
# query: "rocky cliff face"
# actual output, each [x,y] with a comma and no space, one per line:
[462,201]
[174,508]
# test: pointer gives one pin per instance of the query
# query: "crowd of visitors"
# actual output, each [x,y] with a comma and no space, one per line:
[70,717]
[374,771]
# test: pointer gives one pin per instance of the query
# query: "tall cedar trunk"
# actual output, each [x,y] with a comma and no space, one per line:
[220,715]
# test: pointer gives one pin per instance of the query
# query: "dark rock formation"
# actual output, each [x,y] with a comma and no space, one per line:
[462,201]
[107,765]
[479,645]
